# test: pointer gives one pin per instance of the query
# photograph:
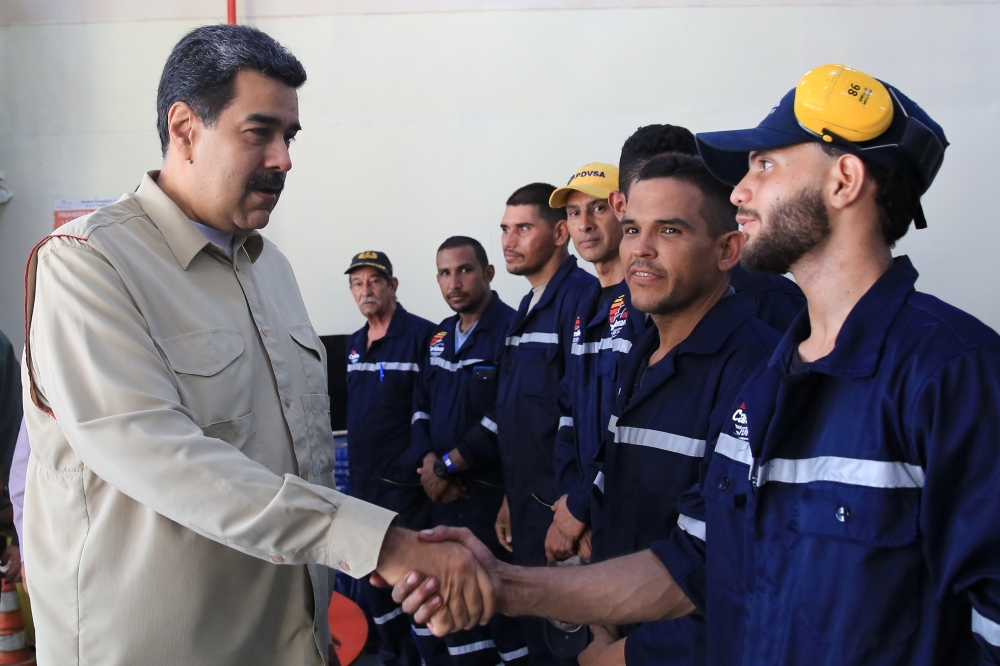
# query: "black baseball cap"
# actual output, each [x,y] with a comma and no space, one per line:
[377,260]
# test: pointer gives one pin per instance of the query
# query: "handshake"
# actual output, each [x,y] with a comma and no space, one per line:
[450,580]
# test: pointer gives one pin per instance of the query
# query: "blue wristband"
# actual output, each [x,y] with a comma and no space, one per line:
[449,464]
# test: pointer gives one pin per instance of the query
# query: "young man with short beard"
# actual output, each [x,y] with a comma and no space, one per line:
[850,502]
[522,428]
[456,387]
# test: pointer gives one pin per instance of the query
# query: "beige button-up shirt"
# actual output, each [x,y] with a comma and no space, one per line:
[177,497]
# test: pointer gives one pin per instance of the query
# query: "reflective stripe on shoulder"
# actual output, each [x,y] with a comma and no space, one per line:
[565,421]
[453,367]
[734,449]
[617,344]
[987,628]
[851,471]
[489,425]
[374,367]
[417,416]
[665,441]
[544,338]
[692,526]
[599,481]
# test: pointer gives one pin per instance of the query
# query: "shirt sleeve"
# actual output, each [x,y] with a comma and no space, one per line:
[565,452]
[420,423]
[957,427]
[118,406]
[683,553]
[10,403]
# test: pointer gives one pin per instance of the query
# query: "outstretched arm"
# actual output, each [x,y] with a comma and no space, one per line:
[634,588]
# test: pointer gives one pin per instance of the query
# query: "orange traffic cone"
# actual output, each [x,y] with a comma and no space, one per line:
[13,648]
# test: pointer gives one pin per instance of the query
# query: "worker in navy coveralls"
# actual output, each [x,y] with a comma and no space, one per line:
[383,361]
[522,428]
[604,328]
[457,386]
[850,503]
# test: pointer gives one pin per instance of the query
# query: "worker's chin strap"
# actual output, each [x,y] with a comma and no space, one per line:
[919,221]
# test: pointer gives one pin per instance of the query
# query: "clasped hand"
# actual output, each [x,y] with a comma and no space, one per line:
[458,584]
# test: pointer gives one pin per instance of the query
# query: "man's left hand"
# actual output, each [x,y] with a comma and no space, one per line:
[606,650]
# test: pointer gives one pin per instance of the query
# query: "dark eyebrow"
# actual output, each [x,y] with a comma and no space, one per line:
[673,222]
[271,121]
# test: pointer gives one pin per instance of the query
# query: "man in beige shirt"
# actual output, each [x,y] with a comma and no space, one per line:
[178,507]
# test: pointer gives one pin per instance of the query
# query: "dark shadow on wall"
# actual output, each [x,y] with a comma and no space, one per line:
[336,369]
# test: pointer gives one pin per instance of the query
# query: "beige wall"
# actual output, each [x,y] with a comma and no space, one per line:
[419,124]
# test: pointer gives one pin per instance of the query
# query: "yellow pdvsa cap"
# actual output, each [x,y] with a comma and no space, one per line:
[844,101]
[596,179]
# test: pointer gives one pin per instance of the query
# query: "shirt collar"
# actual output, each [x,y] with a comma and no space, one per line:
[861,339]
[718,324]
[182,237]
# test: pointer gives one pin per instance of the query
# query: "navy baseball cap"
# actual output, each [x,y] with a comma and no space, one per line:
[377,260]
[913,143]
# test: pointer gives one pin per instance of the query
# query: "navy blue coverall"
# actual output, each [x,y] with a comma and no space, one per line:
[779,300]
[454,391]
[655,445]
[523,426]
[380,383]
[850,505]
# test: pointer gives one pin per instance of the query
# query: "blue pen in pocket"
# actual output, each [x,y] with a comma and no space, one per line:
[381,373]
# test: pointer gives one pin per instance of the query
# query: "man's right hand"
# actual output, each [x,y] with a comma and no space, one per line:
[463,590]
[562,539]
[504,535]
[433,484]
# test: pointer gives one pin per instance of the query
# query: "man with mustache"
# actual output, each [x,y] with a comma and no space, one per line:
[522,428]
[179,505]
[457,386]
[383,362]
[849,503]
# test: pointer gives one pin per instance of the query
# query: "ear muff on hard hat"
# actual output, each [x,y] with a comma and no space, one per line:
[847,108]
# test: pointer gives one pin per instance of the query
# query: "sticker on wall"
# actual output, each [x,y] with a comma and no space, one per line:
[67,210]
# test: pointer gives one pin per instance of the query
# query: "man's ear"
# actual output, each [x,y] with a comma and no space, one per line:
[394,283]
[847,180]
[561,233]
[181,122]
[731,247]
[617,202]
[489,273]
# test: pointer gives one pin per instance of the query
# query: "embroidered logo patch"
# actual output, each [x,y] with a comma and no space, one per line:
[617,316]
[576,332]
[353,357]
[740,422]
[437,343]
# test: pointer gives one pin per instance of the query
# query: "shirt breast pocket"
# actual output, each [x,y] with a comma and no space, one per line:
[214,378]
[860,564]
[483,379]
[541,363]
[312,355]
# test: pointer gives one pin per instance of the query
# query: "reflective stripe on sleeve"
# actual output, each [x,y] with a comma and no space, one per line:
[616,344]
[373,367]
[421,631]
[852,471]
[734,449]
[417,416]
[453,367]
[471,647]
[612,423]
[514,654]
[489,425]
[382,619]
[988,629]
[599,481]
[543,338]
[665,441]
[692,526]
[565,421]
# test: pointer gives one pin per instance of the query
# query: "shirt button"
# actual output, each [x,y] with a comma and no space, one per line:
[277,559]
[303,476]
[237,269]
[288,403]
[263,332]
[843,513]
[345,566]
[723,484]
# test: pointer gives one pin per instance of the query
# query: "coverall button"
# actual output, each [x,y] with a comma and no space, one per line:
[843,513]
[277,559]
[288,402]
[345,566]
[723,484]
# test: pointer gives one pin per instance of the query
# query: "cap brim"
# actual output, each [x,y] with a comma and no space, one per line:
[559,197]
[362,264]
[726,154]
